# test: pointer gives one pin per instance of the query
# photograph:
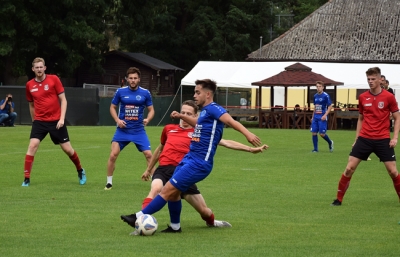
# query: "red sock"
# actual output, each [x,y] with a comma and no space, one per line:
[28,165]
[344,183]
[209,220]
[75,159]
[396,183]
[146,202]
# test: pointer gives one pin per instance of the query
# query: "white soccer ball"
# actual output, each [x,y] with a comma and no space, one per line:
[146,225]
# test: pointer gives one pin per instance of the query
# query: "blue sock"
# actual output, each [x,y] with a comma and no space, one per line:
[315,142]
[157,204]
[175,211]
[327,139]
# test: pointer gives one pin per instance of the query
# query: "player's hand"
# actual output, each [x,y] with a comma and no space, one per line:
[145,121]
[259,149]
[146,176]
[323,117]
[175,115]
[121,124]
[393,143]
[60,124]
[253,139]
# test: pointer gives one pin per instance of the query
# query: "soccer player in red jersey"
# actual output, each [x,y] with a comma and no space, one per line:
[47,106]
[373,134]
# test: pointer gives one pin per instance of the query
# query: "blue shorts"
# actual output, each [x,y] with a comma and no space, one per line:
[188,172]
[140,139]
[319,126]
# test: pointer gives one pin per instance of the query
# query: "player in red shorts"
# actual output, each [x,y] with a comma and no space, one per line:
[373,134]
[174,144]
[47,106]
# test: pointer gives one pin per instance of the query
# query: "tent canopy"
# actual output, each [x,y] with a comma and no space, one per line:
[242,74]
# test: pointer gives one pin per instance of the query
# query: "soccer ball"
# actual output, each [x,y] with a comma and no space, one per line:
[146,225]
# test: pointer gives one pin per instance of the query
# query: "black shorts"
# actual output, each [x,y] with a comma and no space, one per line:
[364,147]
[40,129]
[165,173]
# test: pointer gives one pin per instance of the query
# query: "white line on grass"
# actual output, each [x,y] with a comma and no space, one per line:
[249,169]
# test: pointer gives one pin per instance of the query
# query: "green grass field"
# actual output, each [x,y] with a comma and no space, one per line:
[278,202]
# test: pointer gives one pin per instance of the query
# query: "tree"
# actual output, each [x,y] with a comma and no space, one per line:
[64,33]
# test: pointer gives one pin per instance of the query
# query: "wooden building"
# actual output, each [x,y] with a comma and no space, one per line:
[340,31]
[156,75]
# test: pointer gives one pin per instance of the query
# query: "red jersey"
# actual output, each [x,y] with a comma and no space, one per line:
[44,96]
[176,141]
[376,110]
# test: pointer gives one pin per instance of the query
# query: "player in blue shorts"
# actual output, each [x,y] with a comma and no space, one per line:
[132,101]
[322,108]
[198,163]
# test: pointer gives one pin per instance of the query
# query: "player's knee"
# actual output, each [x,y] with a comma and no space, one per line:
[321,135]
[348,172]
[147,154]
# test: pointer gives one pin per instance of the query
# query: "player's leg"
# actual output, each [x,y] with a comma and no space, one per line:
[197,201]
[38,133]
[116,148]
[323,128]
[168,193]
[386,154]
[314,131]
[60,136]
[360,151]
[156,187]
[160,177]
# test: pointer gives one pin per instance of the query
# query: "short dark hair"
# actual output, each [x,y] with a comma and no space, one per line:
[191,103]
[207,83]
[133,70]
[320,82]
[373,71]
[383,76]
[387,81]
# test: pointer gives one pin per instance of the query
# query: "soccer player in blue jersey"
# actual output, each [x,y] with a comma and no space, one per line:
[319,124]
[132,101]
[198,163]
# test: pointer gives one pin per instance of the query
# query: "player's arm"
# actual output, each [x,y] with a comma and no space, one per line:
[150,115]
[114,115]
[191,120]
[153,161]
[229,121]
[230,144]
[396,117]
[63,103]
[327,112]
[32,110]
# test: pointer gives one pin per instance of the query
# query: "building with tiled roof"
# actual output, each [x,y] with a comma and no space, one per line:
[340,31]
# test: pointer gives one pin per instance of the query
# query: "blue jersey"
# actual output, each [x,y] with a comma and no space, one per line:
[207,133]
[131,107]
[321,104]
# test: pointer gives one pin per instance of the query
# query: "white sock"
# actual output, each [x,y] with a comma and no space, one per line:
[138,214]
[175,226]
[109,180]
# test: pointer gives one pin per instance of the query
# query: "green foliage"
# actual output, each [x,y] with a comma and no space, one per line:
[64,33]
[278,202]
[70,33]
